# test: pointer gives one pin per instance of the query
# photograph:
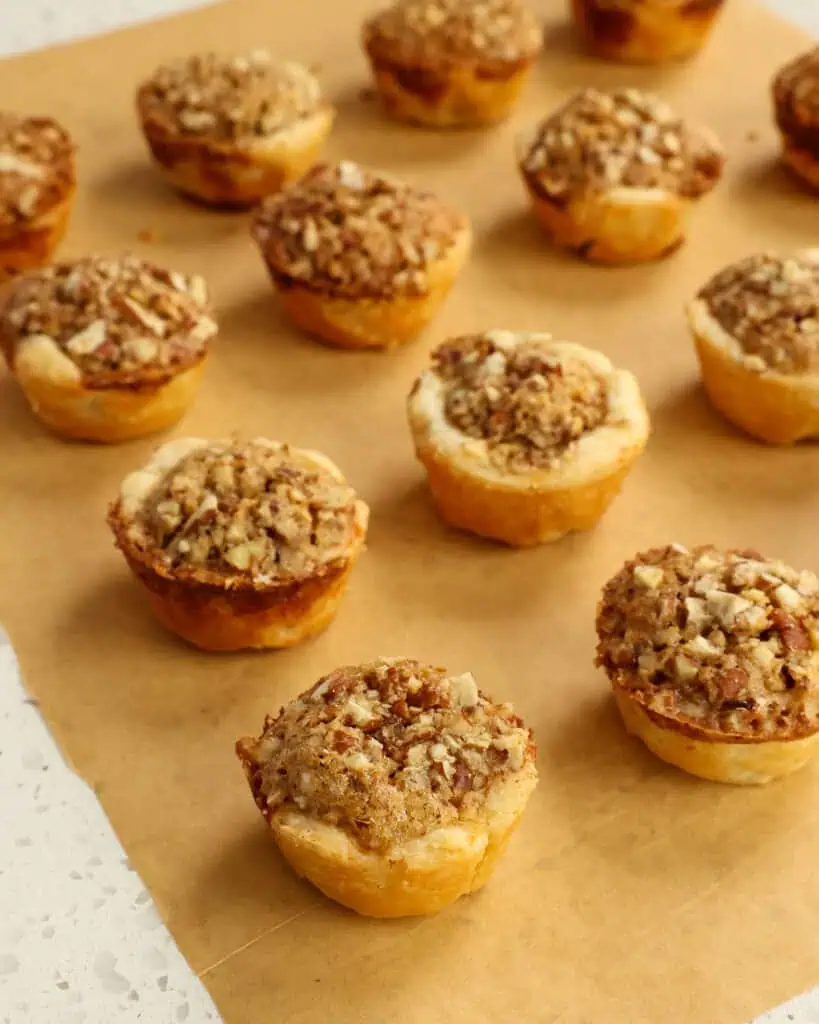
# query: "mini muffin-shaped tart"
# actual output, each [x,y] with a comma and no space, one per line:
[240,544]
[452,63]
[37,186]
[358,260]
[107,349]
[229,130]
[525,438]
[393,787]
[712,656]
[756,330]
[645,31]
[612,175]
[796,109]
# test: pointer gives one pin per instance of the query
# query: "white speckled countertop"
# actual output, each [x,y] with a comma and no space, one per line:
[80,939]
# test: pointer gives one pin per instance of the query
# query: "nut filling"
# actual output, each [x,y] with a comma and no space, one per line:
[113,318]
[724,640]
[232,512]
[388,751]
[796,100]
[432,31]
[770,306]
[36,167]
[530,405]
[346,231]
[234,99]
[599,141]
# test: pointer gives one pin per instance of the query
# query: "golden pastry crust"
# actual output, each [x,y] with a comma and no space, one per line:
[240,544]
[796,110]
[612,176]
[37,186]
[452,63]
[756,331]
[229,131]
[525,438]
[107,349]
[393,786]
[713,657]
[645,31]
[360,261]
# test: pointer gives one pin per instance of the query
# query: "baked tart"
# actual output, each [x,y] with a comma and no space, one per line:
[796,110]
[240,544]
[229,130]
[525,438]
[612,176]
[393,787]
[107,349]
[37,186]
[452,63]
[645,31]
[712,656]
[756,330]
[359,260]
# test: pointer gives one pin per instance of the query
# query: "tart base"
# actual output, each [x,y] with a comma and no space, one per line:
[801,162]
[108,415]
[233,176]
[422,877]
[464,96]
[614,228]
[27,246]
[520,517]
[710,755]
[368,323]
[645,33]
[770,407]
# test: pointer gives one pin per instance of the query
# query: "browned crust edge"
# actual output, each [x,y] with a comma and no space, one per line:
[28,245]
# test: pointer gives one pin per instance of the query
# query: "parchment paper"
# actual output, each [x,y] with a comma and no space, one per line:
[632,892]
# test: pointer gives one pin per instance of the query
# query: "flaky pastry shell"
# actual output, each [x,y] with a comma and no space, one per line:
[772,407]
[31,244]
[372,323]
[232,174]
[230,618]
[802,162]
[644,31]
[541,505]
[57,394]
[710,754]
[419,877]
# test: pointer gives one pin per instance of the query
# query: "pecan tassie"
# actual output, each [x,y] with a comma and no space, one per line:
[36,167]
[796,101]
[115,319]
[726,640]
[388,751]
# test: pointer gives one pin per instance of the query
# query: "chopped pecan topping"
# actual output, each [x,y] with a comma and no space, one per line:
[113,317]
[255,510]
[348,231]
[796,99]
[770,306]
[529,401]
[236,98]
[724,639]
[388,751]
[36,166]
[424,32]
[604,140]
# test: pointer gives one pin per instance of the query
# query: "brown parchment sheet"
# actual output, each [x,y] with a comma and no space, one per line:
[631,893]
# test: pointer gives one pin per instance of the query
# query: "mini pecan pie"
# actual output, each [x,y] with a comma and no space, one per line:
[37,185]
[452,63]
[645,31]
[107,349]
[525,438]
[230,130]
[360,261]
[796,108]
[393,787]
[712,656]
[756,329]
[240,544]
[611,175]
